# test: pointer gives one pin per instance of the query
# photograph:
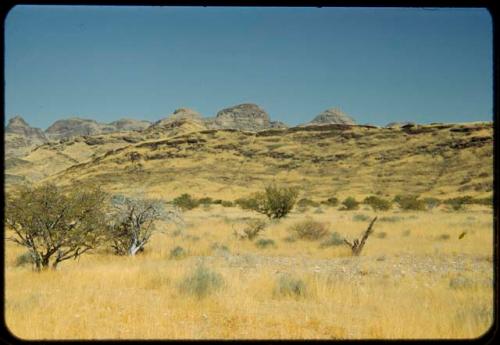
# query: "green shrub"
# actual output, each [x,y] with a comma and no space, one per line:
[350,204]
[487,201]
[247,203]
[391,219]
[202,282]
[220,247]
[333,201]
[304,203]
[227,203]
[24,259]
[185,202]
[309,229]
[431,202]
[276,202]
[265,242]
[253,228]
[334,239]
[177,253]
[288,285]
[360,218]
[378,204]
[410,203]
[459,203]
[205,201]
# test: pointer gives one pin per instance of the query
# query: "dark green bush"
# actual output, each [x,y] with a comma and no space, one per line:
[378,204]
[227,203]
[185,202]
[205,201]
[350,204]
[410,202]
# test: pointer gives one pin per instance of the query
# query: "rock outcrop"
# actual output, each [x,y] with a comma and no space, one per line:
[247,117]
[20,137]
[332,116]
[130,125]
[75,126]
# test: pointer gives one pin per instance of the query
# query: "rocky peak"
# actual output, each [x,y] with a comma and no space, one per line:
[246,116]
[332,116]
[16,124]
[72,127]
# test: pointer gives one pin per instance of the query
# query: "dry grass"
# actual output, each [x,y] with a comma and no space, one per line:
[108,297]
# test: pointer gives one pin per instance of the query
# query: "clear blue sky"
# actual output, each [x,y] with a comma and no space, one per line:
[378,65]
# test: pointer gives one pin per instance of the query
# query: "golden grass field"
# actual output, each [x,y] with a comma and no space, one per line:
[412,283]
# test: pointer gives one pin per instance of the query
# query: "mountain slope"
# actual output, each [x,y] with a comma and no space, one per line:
[326,160]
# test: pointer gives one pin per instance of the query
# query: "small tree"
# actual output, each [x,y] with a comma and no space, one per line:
[276,202]
[55,226]
[132,223]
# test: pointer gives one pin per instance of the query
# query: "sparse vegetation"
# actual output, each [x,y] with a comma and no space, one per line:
[410,203]
[202,282]
[288,285]
[459,203]
[185,202]
[378,204]
[335,239]
[349,204]
[360,217]
[305,203]
[24,260]
[265,242]
[309,229]
[332,201]
[178,253]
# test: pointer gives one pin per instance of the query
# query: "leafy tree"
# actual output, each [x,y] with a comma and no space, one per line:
[132,223]
[276,202]
[55,226]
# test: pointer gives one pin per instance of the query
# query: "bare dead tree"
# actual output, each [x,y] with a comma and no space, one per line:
[132,223]
[358,244]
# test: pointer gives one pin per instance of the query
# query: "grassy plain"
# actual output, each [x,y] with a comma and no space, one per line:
[419,280]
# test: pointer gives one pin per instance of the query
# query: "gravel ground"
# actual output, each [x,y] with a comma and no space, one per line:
[353,268]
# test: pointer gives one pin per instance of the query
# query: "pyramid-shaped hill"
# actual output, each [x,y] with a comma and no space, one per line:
[332,116]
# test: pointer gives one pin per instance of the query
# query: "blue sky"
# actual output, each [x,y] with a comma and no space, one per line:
[377,64]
